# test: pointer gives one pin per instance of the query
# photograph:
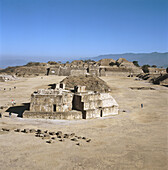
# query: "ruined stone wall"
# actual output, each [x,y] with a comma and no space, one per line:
[110,111]
[53,115]
[75,72]
[95,104]
[153,70]
[111,73]
[30,71]
[101,112]
[102,72]
[64,71]
[45,103]
[92,113]
[54,70]
[94,70]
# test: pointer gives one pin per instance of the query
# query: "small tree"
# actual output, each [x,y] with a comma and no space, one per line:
[136,63]
[33,64]
[117,63]
[154,66]
[89,60]
[52,62]
[112,64]
[145,68]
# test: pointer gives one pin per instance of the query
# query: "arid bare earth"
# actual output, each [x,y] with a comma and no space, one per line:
[135,139]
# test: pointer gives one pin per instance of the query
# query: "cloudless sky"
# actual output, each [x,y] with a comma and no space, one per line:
[44,29]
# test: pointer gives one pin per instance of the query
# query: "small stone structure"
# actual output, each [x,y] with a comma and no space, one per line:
[4,78]
[79,103]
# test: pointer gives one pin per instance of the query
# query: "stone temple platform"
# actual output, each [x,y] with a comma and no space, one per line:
[78,103]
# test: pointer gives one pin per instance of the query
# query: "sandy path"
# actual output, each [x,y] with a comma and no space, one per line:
[135,139]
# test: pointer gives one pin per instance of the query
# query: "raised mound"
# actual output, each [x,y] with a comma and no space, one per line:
[91,82]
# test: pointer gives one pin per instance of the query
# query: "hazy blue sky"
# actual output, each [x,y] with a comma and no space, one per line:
[81,28]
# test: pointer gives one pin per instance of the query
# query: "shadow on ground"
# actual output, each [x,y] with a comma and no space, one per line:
[52,86]
[19,109]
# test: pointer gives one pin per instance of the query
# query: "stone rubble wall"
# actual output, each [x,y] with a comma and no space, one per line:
[96,113]
[78,72]
[53,115]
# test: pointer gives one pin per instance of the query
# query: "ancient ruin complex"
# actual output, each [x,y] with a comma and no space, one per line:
[104,67]
[78,103]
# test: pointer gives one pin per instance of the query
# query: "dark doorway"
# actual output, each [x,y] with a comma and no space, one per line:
[83,115]
[48,71]
[101,113]
[54,107]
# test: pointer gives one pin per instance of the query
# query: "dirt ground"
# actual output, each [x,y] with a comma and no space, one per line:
[136,138]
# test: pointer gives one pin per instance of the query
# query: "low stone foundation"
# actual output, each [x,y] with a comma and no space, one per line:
[53,115]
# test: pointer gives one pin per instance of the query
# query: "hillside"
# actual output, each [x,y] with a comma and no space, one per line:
[159,59]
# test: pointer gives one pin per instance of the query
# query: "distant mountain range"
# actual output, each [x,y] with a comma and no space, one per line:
[155,58]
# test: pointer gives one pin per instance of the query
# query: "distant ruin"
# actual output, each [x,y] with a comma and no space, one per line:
[76,103]
[104,67]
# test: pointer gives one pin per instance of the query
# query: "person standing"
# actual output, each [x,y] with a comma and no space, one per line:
[141,105]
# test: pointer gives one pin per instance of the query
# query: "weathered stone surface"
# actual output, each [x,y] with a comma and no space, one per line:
[46,131]
[59,133]
[51,133]
[59,136]
[39,131]
[26,131]
[46,136]
[88,140]
[74,139]
[62,140]
[5,129]
[72,134]
[50,141]
[41,135]
[32,130]
[66,136]
[17,130]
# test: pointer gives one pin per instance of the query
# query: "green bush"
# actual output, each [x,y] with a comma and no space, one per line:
[52,62]
[154,66]
[145,68]
[136,63]
[33,64]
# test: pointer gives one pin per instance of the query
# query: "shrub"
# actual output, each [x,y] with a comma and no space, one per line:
[33,64]
[136,63]
[154,66]
[145,68]
[52,62]
[112,64]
